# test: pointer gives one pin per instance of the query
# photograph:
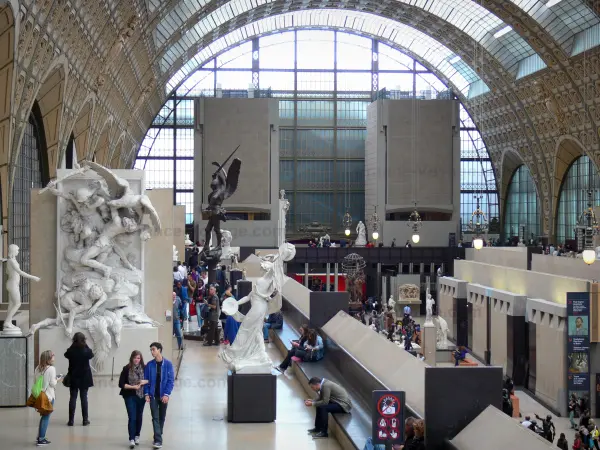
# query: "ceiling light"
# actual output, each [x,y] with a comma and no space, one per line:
[375,235]
[416,238]
[502,32]
[551,3]
[589,256]
[478,243]
[455,60]
[347,232]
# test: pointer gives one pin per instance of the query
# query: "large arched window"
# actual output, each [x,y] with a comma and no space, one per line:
[31,172]
[581,177]
[521,208]
[323,113]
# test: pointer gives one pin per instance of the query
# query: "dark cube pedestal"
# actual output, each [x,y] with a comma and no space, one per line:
[251,397]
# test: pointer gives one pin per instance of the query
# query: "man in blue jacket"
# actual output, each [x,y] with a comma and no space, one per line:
[161,379]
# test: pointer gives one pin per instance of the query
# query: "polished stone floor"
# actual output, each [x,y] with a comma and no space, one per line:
[194,418]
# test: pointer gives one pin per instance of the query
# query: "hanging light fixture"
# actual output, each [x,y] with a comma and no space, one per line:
[374,222]
[414,222]
[347,222]
[587,221]
[478,225]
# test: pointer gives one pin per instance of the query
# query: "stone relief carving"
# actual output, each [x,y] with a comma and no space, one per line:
[409,292]
[100,239]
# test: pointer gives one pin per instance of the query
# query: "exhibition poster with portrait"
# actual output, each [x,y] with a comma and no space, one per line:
[578,344]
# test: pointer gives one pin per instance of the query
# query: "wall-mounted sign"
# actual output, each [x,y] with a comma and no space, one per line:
[578,345]
[388,417]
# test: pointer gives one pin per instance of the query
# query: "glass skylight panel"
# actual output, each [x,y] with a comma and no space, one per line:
[586,39]
[413,40]
[562,19]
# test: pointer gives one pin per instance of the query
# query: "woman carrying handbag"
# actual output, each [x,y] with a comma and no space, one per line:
[43,391]
[79,377]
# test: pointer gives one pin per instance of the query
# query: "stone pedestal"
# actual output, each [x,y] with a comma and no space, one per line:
[251,397]
[16,370]
[428,341]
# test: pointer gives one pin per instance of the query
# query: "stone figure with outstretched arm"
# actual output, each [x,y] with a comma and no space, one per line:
[12,287]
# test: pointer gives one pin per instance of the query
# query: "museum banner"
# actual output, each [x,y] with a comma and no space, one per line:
[578,345]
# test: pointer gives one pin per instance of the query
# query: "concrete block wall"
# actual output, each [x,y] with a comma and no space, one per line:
[548,348]
[477,298]
[253,124]
[515,257]
[450,289]
[525,282]
[433,180]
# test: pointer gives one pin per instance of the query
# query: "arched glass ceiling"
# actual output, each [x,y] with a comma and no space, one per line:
[419,44]
[507,46]
[562,20]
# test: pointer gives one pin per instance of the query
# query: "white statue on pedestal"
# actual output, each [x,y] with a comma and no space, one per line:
[12,287]
[441,332]
[429,302]
[188,242]
[392,306]
[248,353]
[361,232]
[284,206]
[175,253]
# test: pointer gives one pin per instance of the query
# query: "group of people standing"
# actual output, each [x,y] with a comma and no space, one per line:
[140,383]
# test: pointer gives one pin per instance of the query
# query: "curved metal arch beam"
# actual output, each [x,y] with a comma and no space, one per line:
[482,24]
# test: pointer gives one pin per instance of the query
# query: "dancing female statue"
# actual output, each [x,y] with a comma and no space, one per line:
[248,353]
[12,287]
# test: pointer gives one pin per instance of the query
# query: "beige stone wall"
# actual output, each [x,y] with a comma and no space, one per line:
[158,270]
[179,230]
[445,308]
[515,257]
[525,282]
[479,305]
[43,259]
[551,360]
[498,327]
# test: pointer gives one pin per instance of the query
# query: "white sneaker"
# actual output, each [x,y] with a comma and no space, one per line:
[157,445]
[137,440]
[132,444]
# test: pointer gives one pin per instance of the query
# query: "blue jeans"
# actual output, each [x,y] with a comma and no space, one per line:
[266,327]
[159,414]
[177,331]
[135,413]
[44,421]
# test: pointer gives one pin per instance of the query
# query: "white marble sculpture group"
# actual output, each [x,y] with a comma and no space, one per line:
[101,235]
[247,354]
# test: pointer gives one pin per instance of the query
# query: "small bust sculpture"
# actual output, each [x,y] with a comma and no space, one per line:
[282,194]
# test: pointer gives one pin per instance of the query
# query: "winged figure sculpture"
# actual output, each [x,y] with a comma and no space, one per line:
[121,195]
[223,185]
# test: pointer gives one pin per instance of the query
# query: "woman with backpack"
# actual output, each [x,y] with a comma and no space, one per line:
[79,376]
[46,380]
